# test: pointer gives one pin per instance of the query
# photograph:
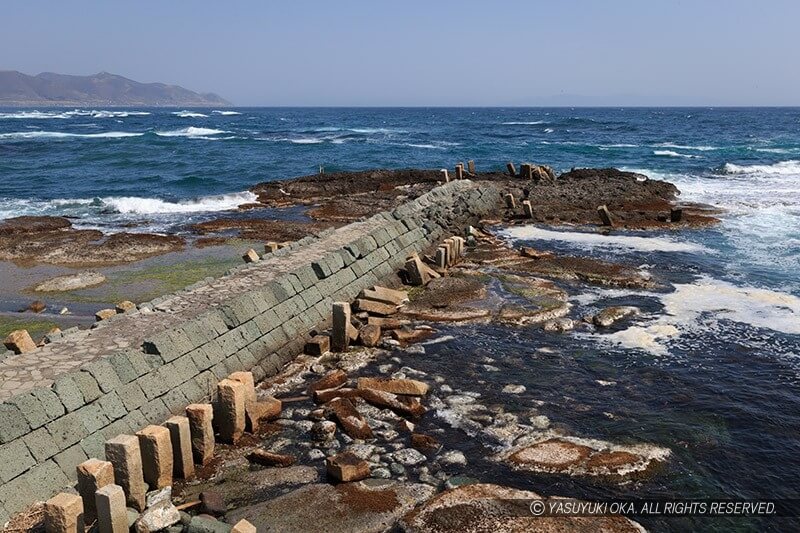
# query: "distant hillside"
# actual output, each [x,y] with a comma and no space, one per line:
[103,89]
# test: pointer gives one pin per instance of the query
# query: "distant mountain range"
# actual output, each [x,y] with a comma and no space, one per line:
[103,89]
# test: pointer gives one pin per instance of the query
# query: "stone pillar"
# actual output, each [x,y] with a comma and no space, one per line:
[441,256]
[243,526]
[511,169]
[511,203]
[124,453]
[471,166]
[231,400]
[270,247]
[63,513]
[200,417]
[246,379]
[462,243]
[446,175]
[93,474]
[156,446]
[676,214]
[605,215]
[112,515]
[340,333]
[181,438]
[526,171]
[460,171]
[451,251]
[528,208]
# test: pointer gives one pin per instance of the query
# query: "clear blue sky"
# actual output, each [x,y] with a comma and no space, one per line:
[434,52]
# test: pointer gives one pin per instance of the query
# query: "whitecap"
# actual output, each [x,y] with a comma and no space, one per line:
[189,114]
[597,240]
[780,168]
[531,123]
[154,206]
[191,131]
[670,153]
[549,130]
[65,135]
[226,113]
[685,147]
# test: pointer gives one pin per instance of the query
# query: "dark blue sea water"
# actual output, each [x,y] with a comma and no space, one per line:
[710,369]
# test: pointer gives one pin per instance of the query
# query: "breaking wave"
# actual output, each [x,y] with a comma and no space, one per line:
[225,113]
[42,115]
[191,131]
[530,123]
[65,135]
[670,153]
[189,114]
[781,168]
[154,206]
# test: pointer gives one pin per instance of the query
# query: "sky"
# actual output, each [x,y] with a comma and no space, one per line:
[424,53]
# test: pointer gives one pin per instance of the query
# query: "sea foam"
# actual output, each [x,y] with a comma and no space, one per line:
[597,240]
[154,206]
[189,114]
[66,135]
[191,131]
[781,168]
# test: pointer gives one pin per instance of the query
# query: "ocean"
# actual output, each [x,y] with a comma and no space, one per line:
[711,367]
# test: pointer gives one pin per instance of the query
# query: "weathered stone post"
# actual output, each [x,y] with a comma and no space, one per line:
[156,446]
[528,208]
[63,513]
[93,474]
[250,256]
[471,166]
[340,334]
[676,214]
[511,203]
[112,516]
[446,175]
[441,256]
[511,169]
[605,215]
[462,243]
[451,251]
[231,400]
[526,171]
[200,417]
[460,171]
[270,247]
[124,453]
[181,437]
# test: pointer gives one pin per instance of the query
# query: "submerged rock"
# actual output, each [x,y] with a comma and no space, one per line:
[485,507]
[71,282]
[610,315]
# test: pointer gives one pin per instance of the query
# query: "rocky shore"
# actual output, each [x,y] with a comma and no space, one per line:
[364,439]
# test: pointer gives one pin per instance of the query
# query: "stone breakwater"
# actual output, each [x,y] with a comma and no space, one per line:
[62,401]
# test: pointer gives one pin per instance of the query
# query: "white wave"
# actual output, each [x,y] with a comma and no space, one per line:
[226,113]
[775,150]
[65,135]
[597,240]
[189,114]
[618,145]
[154,206]
[781,168]
[549,130]
[670,153]
[531,123]
[191,131]
[427,146]
[700,306]
[686,147]
[307,140]
[43,115]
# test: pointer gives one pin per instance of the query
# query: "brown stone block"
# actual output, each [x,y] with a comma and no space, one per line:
[201,426]
[350,419]
[63,513]
[93,474]
[409,387]
[19,341]
[231,418]
[346,467]
[124,453]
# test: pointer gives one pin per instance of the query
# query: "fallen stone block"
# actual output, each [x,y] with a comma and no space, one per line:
[340,335]
[424,442]
[326,395]
[250,256]
[605,215]
[387,323]
[231,415]
[200,417]
[271,247]
[104,314]
[323,430]
[376,308]
[63,513]
[387,400]
[124,453]
[370,335]
[260,411]
[350,419]
[266,458]
[410,387]
[155,444]
[19,341]
[181,437]
[112,513]
[331,380]
[384,295]
[347,467]
[125,306]
[243,526]
[417,275]
[93,475]
[432,274]
[408,336]
[318,345]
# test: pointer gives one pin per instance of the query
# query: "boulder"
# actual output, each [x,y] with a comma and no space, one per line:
[370,335]
[610,315]
[376,308]
[384,295]
[71,282]
[330,380]
[213,503]
[125,306]
[267,458]
[104,314]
